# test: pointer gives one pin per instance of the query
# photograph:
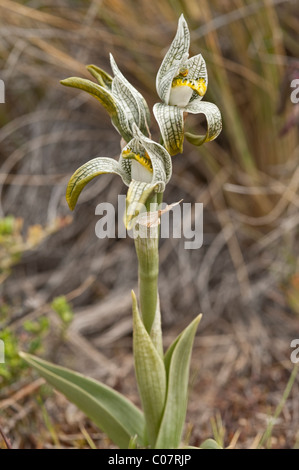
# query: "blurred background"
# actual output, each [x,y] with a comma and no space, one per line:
[65,294]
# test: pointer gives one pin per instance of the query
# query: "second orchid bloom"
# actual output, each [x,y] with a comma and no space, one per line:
[181,84]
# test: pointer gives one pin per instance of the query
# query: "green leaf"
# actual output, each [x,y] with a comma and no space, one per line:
[150,373]
[88,171]
[210,444]
[177,361]
[190,447]
[108,409]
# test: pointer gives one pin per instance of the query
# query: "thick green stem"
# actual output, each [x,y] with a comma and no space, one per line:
[148,270]
[147,249]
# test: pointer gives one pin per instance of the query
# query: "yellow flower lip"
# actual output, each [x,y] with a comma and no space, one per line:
[143,159]
[197,85]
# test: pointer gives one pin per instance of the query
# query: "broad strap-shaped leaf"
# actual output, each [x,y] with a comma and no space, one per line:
[136,103]
[175,58]
[137,195]
[103,78]
[88,171]
[171,123]
[108,409]
[213,119]
[177,361]
[150,373]
[106,98]
[156,332]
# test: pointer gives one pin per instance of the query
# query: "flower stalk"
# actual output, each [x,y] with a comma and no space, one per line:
[147,249]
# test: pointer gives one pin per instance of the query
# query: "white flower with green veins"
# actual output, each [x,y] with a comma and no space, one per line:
[181,84]
[144,166]
[125,105]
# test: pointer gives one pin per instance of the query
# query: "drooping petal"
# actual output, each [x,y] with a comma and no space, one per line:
[135,102]
[88,171]
[175,58]
[110,103]
[213,119]
[102,77]
[171,124]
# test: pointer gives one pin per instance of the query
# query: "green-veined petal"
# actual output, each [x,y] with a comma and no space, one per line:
[135,151]
[88,171]
[134,100]
[213,118]
[171,124]
[175,58]
[197,70]
[160,158]
[122,93]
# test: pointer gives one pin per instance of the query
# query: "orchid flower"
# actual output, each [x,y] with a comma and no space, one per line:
[144,166]
[181,84]
[125,105]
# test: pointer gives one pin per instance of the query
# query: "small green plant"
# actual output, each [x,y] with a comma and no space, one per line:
[61,306]
[13,243]
[30,334]
[145,166]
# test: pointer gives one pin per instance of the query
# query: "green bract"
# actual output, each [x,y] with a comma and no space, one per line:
[181,84]
[125,105]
